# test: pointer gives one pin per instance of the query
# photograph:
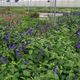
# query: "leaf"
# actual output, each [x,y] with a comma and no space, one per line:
[30,52]
[26,73]
[22,66]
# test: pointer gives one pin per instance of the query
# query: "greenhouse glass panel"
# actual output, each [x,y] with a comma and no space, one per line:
[39,39]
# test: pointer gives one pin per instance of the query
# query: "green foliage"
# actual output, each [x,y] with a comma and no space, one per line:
[34,14]
[46,48]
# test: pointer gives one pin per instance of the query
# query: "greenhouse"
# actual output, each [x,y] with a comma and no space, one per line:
[39,39]
[40,3]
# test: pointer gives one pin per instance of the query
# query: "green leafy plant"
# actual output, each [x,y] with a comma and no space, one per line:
[34,50]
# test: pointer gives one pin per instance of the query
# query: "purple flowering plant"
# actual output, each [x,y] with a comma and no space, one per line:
[3,60]
[32,57]
[77,45]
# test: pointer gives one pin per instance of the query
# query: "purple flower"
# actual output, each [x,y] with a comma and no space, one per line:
[78,32]
[54,71]
[77,45]
[22,46]
[6,37]
[12,46]
[3,60]
[28,31]
[17,53]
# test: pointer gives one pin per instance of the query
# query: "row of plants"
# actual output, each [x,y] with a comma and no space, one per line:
[22,10]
